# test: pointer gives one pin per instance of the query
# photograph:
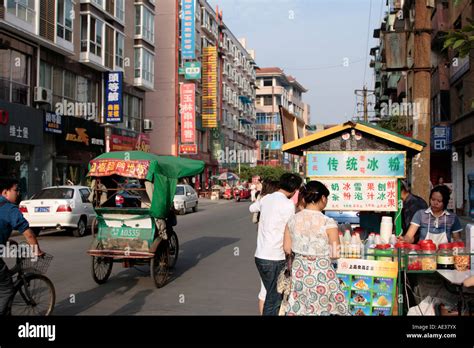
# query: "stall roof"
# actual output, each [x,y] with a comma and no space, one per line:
[298,146]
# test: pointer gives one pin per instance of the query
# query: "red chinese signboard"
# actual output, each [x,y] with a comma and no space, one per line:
[129,169]
[188,120]
[362,194]
[126,143]
[188,149]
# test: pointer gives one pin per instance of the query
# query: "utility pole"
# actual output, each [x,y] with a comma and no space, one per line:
[364,93]
[421,96]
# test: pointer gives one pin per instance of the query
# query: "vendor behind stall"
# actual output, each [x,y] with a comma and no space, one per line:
[435,223]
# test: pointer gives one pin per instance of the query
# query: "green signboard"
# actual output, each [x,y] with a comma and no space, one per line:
[368,164]
[192,70]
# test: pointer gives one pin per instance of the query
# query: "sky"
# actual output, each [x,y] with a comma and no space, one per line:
[322,43]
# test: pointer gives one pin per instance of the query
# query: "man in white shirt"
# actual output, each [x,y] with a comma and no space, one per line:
[275,211]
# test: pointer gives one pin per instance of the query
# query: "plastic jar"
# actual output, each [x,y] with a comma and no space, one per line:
[403,247]
[428,259]
[383,252]
[414,262]
[445,259]
[461,257]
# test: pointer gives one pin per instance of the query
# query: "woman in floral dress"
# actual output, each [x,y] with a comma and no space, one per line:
[314,239]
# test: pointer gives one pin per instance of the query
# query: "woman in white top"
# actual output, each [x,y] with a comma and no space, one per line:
[314,238]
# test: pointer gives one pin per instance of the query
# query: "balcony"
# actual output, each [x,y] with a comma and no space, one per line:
[278,90]
[266,127]
[458,68]
[439,23]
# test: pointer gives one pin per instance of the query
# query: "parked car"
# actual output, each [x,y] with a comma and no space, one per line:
[60,208]
[128,197]
[185,198]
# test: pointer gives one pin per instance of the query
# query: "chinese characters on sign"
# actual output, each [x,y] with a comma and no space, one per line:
[356,164]
[53,123]
[209,93]
[19,132]
[441,138]
[192,70]
[188,109]
[131,169]
[188,49]
[188,149]
[362,194]
[113,97]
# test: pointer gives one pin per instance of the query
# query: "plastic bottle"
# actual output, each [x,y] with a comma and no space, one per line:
[393,240]
[347,236]
[377,239]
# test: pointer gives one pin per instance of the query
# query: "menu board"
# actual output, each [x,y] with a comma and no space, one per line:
[369,286]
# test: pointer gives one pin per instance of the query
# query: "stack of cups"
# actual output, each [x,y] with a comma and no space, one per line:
[386,228]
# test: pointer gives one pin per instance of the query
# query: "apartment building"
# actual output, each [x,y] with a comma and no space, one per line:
[275,88]
[452,115]
[221,86]
[54,59]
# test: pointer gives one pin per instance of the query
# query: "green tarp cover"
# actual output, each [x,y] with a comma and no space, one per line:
[163,172]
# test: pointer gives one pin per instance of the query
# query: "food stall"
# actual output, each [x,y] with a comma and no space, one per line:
[362,166]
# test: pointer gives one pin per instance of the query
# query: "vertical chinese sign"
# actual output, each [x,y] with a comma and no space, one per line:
[188,113]
[188,49]
[113,97]
[209,82]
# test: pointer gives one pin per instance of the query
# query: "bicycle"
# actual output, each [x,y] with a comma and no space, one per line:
[33,292]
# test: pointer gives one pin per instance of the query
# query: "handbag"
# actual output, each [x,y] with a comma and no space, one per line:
[284,278]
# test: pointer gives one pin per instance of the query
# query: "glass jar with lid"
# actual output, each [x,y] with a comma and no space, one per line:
[461,257]
[428,258]
[445,259]
[402,249]
[414,262]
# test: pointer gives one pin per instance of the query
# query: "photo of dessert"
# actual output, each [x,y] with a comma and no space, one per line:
[360,311]
[382,300]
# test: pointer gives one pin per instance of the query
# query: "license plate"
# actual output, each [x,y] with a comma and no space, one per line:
[42,210]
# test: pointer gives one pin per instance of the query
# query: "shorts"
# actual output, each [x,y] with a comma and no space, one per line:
[263,292]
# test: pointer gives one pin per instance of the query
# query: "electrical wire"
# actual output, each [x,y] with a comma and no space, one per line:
[367,45]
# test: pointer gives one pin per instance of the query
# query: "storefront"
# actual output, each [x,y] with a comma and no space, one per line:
[76,142]
[21,140]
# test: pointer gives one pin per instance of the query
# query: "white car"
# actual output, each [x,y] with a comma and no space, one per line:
[59,208]
[185,198]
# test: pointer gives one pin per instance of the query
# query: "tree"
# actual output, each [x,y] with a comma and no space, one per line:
[461,40]
[264,172]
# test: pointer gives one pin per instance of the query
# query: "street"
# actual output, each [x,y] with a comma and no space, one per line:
[215,273]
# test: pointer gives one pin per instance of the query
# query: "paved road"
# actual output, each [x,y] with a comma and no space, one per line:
[215,273]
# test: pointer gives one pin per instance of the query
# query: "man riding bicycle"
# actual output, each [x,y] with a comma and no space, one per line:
[11,219]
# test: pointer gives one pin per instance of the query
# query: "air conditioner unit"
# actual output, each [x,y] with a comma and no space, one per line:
[147,125]
[43,95]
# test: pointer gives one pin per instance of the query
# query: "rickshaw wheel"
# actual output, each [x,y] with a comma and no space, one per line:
[174,249]
[101,268]
[159,264]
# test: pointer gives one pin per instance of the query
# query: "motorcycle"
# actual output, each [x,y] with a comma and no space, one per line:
[241,193]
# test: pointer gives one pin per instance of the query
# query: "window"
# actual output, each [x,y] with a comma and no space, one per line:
[55,193]
[144,23]
[132,112]
[46,71]
[64,20]
[22,9]
[268,82]
[69,85]
[93,40]
[119,49]
[267,100]
[95,37]
[14,77]
[120,9]
[100,3]
[85,195]
[144,65]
